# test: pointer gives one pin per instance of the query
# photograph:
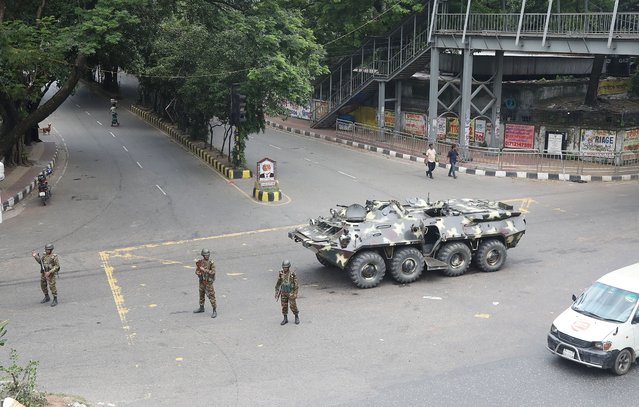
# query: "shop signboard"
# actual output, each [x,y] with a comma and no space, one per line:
[519,136]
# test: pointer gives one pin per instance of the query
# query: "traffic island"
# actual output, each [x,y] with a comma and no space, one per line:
[207,156]
[266,187]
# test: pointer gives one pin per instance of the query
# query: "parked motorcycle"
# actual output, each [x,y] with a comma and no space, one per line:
[44,192]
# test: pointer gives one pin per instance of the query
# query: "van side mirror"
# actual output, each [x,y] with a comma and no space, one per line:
[574,298]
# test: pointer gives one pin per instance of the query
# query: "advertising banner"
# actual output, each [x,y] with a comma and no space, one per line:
[613,86]
[415,123]
[441,128]
[597,143]
[480,130]
[631,140]
[519,136]
[389,119]
[452,128]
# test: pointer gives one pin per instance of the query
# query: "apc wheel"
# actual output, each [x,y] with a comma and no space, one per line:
[323,261]
[457,256]
[622,362]
[491,255]
[407,265]
[366,269]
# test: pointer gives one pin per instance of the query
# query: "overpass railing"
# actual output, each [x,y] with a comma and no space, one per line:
[486,158]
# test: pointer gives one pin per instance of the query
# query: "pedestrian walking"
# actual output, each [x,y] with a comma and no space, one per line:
[205,272]
[452,159]
[431,155]
[49,267]
[287,288]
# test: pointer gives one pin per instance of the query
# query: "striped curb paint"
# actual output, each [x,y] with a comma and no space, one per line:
[11,202]
[204,155]
[460,169]
[266,196]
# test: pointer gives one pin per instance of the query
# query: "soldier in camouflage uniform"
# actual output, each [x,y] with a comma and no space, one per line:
[205,271]
[287,288]
[49,267]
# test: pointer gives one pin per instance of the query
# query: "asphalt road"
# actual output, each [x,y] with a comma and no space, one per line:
[131,211]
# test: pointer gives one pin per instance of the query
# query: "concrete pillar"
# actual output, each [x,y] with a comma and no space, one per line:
[466,91]
[398,105]
[433,93]
[496,109]
[381,99]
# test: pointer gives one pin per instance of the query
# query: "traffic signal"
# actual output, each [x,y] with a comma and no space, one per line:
[241,108]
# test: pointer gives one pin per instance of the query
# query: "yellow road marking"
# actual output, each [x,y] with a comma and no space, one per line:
[117,295]
[234,274]
[485,316]
[525,203]
[116,291]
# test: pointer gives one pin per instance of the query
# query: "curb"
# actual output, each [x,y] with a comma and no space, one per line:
[11,202]
[463,170]
[205,155]
[266,196]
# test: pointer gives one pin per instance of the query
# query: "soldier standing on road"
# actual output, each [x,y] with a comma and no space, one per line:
[287,288]
[49,267]
[205,271]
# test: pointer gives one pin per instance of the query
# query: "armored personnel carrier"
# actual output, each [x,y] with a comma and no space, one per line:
[408,238]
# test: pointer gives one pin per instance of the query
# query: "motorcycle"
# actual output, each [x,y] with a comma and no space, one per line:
[44,192]
[114,118]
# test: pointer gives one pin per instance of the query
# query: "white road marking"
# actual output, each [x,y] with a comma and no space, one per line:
[139,165]
[111,133]
[77,105]
[348,175]
[125,149]
[311,161]
[161,190]
[428,297]
[99,123]
[275,146]
[87,113]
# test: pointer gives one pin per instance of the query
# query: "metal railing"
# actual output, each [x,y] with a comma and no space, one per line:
[485,158]
[564,24]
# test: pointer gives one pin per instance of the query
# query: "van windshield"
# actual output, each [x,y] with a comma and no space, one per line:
[608,303]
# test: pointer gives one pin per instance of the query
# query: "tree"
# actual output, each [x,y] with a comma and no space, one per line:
[201,47]
[45,45]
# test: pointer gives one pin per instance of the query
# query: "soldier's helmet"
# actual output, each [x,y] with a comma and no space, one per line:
[206,252]
[286,264]
[48,246]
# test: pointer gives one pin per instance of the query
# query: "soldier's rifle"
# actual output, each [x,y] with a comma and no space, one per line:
[200,275]
[43,269]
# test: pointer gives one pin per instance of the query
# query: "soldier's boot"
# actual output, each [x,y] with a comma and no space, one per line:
[201,309]
[55,301]
[297,319]
[45,299]
[214,314]
[285,320]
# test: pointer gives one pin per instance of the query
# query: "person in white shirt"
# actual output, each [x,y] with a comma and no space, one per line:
[431,154]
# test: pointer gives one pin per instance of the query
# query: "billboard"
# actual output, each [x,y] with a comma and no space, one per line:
[519,136]
[597,143]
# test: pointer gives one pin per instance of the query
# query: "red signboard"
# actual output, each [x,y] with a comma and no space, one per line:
[519,136]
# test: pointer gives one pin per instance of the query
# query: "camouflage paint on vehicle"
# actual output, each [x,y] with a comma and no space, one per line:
[484,228]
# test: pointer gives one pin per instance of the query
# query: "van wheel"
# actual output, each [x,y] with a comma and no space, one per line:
[366,269]
[457,256]
[407,265]
[491,255]
[622,362]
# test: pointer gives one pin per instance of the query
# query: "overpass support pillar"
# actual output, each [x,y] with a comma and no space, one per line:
[433,94]
[466,92]
[381,101]
[398,105]
[496,108]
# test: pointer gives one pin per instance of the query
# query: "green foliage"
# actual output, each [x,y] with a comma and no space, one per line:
[19,382]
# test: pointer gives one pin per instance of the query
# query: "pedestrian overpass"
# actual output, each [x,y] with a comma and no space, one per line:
[418,43]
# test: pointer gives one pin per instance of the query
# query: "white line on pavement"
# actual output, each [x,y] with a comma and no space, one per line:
[275,146]
[111,133]
[139,165]
[348,175]
[161,190]
[99,122]
[87,113]
[77,105]
[125,149]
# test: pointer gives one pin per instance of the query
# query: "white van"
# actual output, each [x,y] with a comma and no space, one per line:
[601,328]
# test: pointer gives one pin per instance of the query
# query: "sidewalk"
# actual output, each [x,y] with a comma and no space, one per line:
[20,181]
[303,127]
